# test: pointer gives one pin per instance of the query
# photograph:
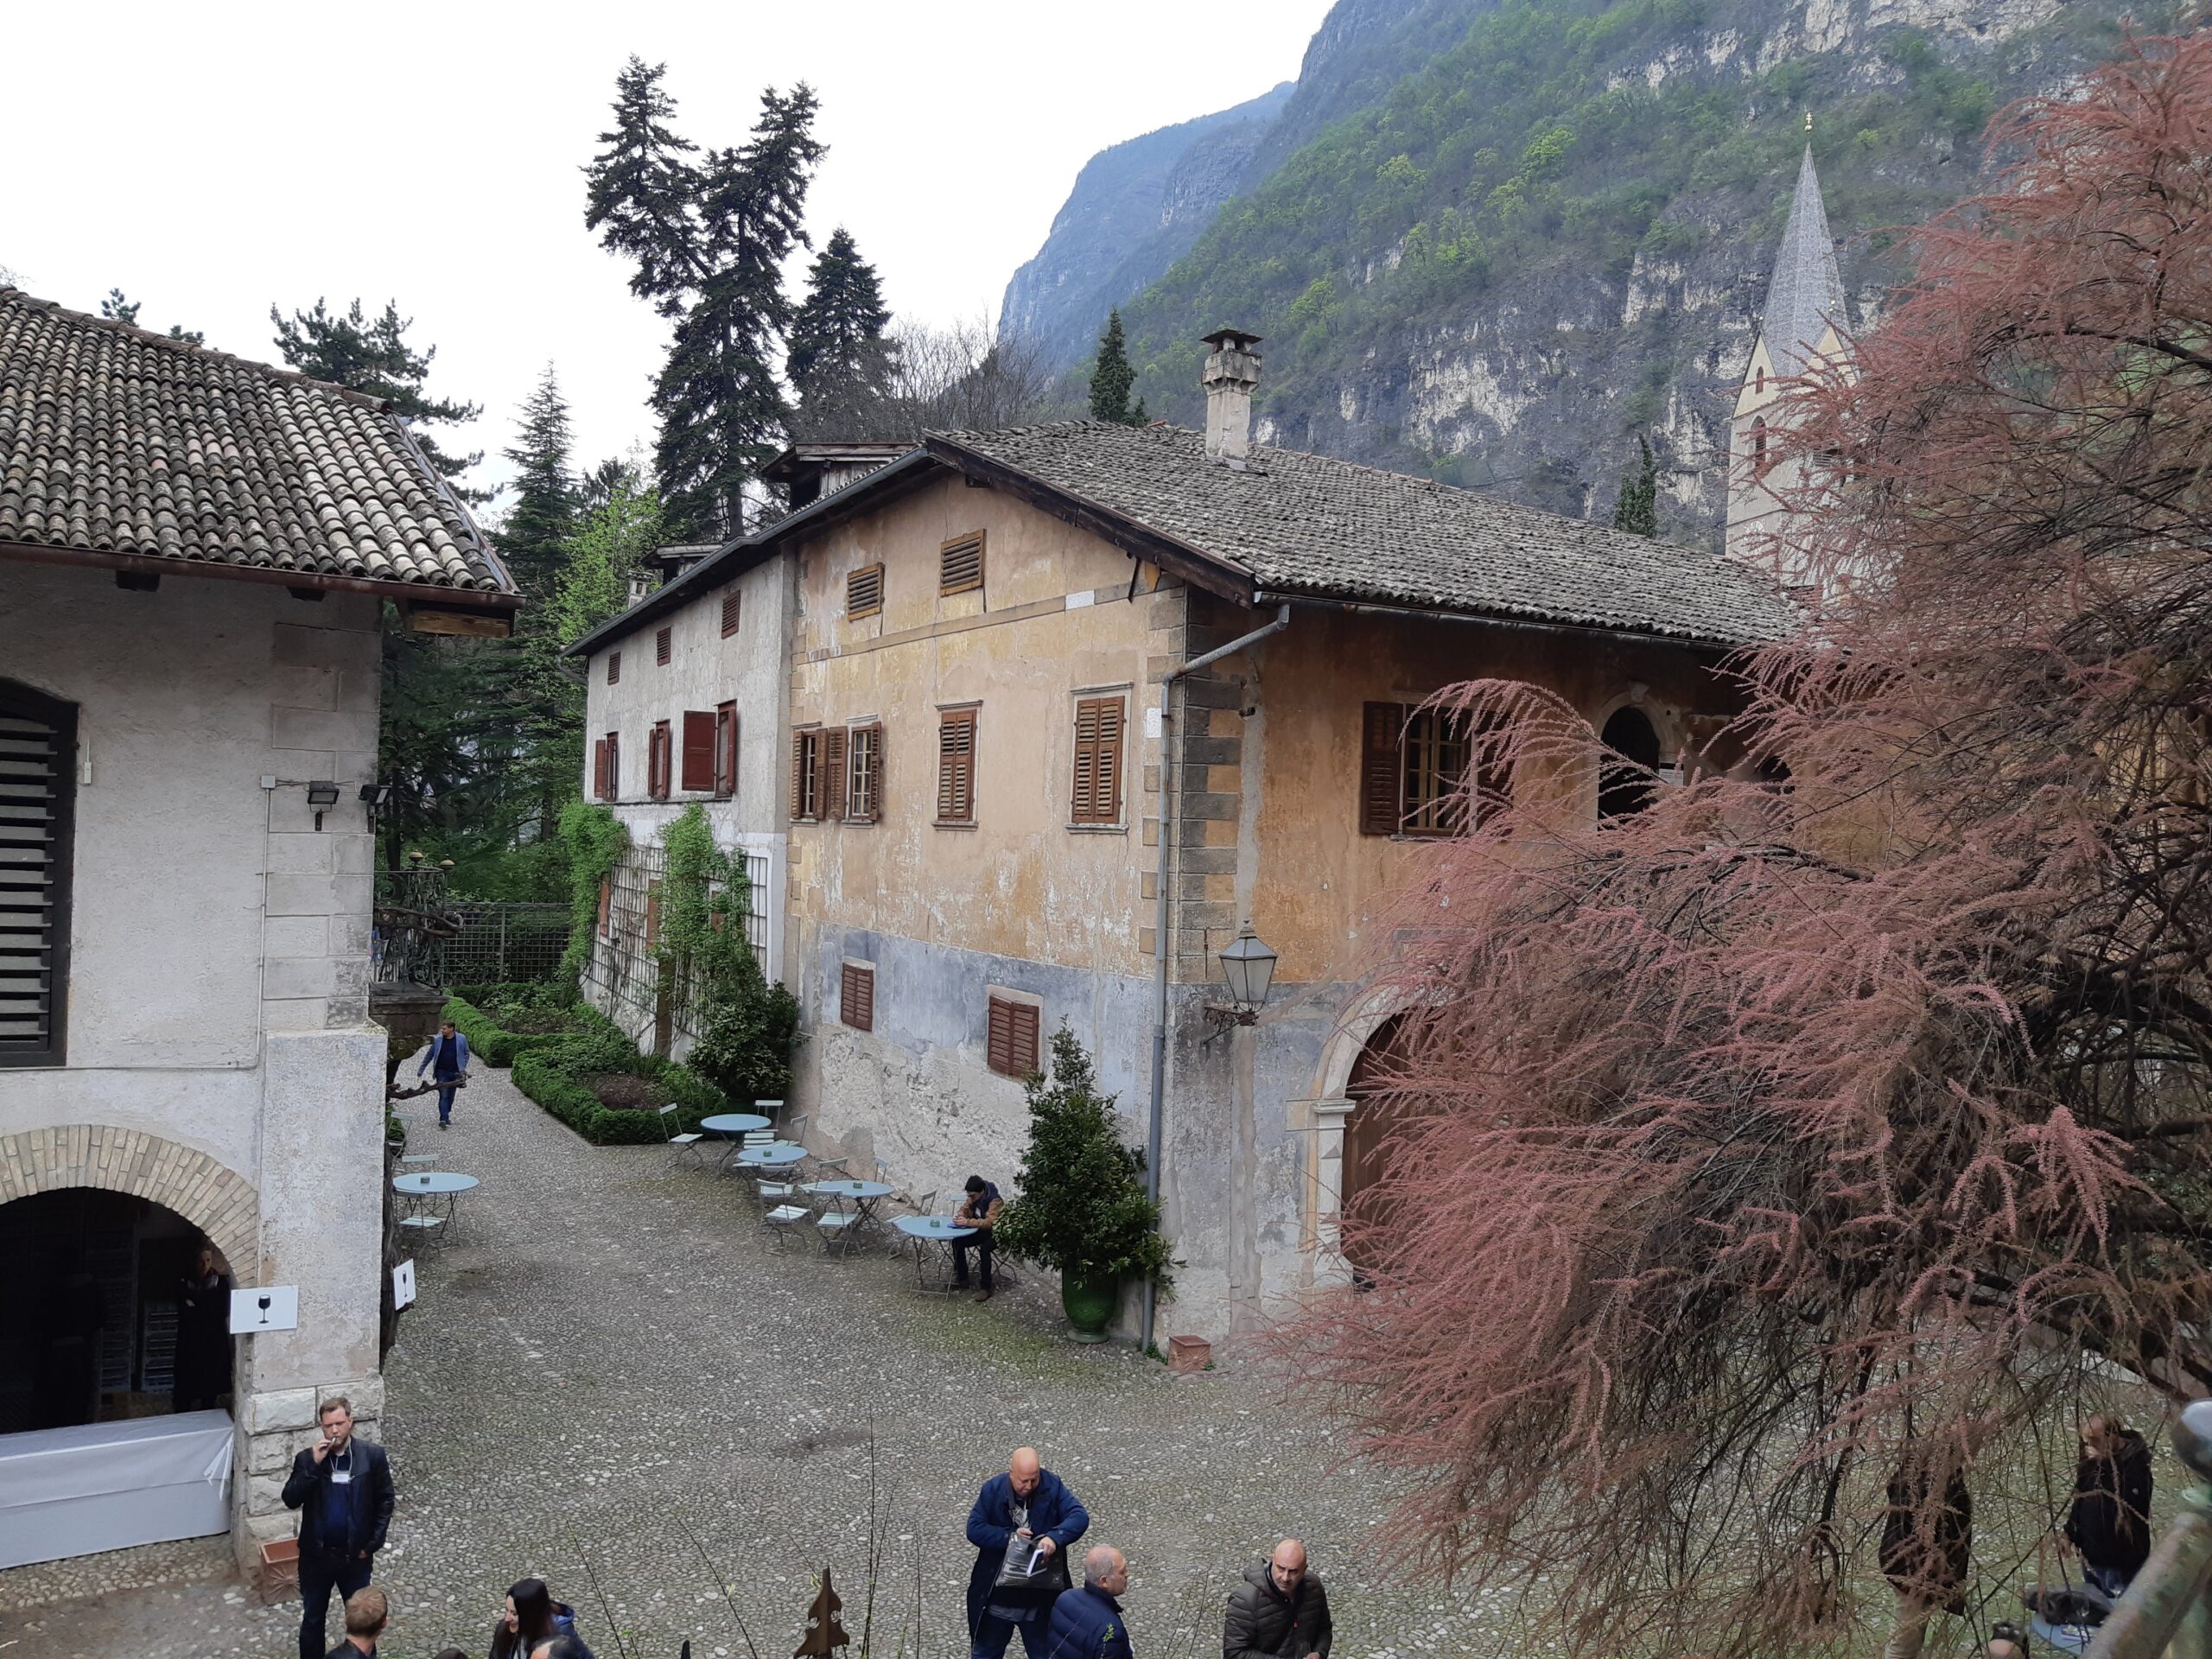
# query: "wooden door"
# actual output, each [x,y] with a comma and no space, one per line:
[1368,1128]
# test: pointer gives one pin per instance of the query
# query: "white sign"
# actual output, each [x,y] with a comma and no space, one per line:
[403,1285]
[272,1307]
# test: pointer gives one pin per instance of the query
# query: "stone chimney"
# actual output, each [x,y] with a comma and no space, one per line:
[1231,371]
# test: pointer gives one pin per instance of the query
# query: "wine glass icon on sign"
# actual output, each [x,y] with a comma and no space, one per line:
[264,1299]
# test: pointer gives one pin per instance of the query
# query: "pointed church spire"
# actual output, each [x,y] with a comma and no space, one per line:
[1807,293]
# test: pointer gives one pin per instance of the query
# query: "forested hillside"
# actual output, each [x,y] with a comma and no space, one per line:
[1555,233]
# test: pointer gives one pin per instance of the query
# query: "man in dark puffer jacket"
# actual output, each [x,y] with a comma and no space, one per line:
[1280,1611]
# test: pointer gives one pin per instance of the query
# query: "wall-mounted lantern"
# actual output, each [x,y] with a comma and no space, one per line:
[1250,968]
[322,794]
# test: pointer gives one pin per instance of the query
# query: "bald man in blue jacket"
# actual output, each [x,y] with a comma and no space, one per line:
[1029,1500]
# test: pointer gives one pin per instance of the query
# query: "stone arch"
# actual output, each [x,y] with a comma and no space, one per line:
[1329,1107]
[215,1198]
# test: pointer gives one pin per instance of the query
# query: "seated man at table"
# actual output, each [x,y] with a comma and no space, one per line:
[979,1210]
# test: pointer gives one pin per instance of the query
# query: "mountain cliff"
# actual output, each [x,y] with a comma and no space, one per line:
[1493,240]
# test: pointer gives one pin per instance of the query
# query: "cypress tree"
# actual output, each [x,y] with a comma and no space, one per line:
[1636,510]
[1111,378]
[371,355]
[839,362]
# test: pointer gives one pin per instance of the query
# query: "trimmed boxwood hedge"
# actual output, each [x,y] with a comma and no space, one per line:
[494,1045]
[555,1074]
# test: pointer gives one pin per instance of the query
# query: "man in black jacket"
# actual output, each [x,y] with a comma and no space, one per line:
[2110,1520]
[1280,1609]
[342,1487]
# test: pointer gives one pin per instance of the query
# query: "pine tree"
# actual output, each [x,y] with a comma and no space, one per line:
[533,539]
[839,362]
[115,309]
[1112,378]
[371,355]
[1637,508]
[614,534]
[707,239]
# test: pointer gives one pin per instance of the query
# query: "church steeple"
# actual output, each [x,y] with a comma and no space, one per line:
[1805,297]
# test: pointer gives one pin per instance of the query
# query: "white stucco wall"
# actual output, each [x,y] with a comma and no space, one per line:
[219,943]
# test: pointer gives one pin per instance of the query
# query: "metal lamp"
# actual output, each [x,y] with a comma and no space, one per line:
[321,793]
[1250,968]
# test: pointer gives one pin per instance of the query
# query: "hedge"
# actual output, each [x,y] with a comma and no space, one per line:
[553,1074]
[496,1045]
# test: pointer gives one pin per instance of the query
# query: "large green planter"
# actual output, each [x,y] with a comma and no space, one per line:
[1088,1300]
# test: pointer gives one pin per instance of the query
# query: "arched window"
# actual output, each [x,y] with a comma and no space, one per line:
[1624,783]
[38,778]
[1758,443]
[1760,383]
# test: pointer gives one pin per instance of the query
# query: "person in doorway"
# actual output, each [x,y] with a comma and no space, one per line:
[1029,1500]
[1281,1608]
[366,1614]
[342,1488]
[447,1061]
[203,1335]
[979,1210]
[2109,1521]
[533,1618]
[1087,1622]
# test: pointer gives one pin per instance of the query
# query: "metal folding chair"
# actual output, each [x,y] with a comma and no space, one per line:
[680,1146]
[782,1220]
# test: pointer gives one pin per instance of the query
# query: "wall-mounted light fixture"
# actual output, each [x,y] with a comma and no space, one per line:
[375,797]
[1250,968]
[322,793]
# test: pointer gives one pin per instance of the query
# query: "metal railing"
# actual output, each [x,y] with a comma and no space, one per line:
[426,936]
[2165,1610]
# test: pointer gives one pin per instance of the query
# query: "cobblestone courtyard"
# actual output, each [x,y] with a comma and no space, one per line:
[610,1359]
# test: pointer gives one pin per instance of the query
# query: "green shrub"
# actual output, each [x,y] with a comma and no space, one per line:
[557,1075]
[746,1051]
[493,1044]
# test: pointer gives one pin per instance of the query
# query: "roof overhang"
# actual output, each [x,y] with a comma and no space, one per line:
[474,611]
[1505,619]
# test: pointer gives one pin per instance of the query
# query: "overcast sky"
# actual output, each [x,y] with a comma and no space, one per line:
[209,159]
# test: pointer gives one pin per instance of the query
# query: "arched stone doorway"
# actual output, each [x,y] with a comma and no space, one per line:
[218,1200]
[1626,790]
[1368,1128]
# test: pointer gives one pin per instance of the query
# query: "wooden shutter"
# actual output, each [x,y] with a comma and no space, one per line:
[1383,732]
[832,786]
[1024,1039]
[606,901]
[798,775]
[955,766]
[660,761]
[613,766]
[38,776]
[732,609]
[1097,792]
[960,569]
[698,750]
[613,667]
[1010,1045]
[856,997]
[599,769]
[864,591]
[663,644]
[725,750]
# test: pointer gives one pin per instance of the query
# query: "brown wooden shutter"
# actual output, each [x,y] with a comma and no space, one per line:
[833,773]
[660,762]
[613,667]
[725,750]
[1096,796]
[1024,1037]
[663,643]
[732,609]
[798,775]
[698,750]
[998,1046]
[606,901]
[38,777]
[864,591]
[599,769]
[960,569]
[1382,731]
[614,765]
[955,766]
[856,997]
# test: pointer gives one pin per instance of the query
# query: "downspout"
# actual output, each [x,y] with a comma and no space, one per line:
[1159,945]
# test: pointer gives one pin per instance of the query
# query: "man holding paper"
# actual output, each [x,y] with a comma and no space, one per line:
[1013,1588]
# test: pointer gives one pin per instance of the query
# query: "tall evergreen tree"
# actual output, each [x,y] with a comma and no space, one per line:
[115,309]
[1111,378]
[708,238]
[614,534]
[840,363]
[533,538]
[371,355]
[1637,508]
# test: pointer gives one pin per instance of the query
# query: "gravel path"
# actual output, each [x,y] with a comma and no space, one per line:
[611,1361]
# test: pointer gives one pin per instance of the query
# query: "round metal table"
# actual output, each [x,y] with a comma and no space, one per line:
[731,1126]
[427,1185]
[777,1155]
[926,1231]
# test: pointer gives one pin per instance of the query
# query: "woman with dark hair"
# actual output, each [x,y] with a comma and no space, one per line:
[533,1616]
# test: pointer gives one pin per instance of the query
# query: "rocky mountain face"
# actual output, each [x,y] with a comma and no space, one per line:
[1494,240]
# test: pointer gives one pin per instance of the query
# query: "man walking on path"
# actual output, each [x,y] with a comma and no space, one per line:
[1281,1608]
[447,1061]
[342,1488]
[1029,1500]
[1087,1623]
[366,1614]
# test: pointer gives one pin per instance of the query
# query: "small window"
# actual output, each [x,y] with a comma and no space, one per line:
[864,778]
[1759,382]
[1097,793]
[955,766]
[1414,762]
[731,603]
[806,774]
[698,751]
[1011,1044]
[856,996]
[960,569]
[864,591]
[613,667]
[1758,444]
[658,746]
[664,643]
[725,750]
[606,770]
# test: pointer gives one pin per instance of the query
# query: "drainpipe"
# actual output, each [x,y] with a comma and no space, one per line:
[1168,768]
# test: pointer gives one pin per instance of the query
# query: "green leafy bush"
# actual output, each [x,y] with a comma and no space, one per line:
[558,1074]
[746,1050]
[494,1043]
[1081,1208]
[597,841]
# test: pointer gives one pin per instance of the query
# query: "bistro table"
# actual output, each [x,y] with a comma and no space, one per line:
[733,1127]
[433,1184]
[863,1195]
[927,1231]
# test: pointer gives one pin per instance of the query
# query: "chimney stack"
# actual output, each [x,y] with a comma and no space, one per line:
[1231,371]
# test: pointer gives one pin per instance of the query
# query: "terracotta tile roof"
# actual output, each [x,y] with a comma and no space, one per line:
[117,440]
[1306,524]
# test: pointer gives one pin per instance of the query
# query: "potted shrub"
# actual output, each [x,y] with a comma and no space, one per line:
[1082,1209]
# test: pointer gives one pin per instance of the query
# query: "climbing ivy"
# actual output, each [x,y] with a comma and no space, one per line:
[704,896]
[597,841]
